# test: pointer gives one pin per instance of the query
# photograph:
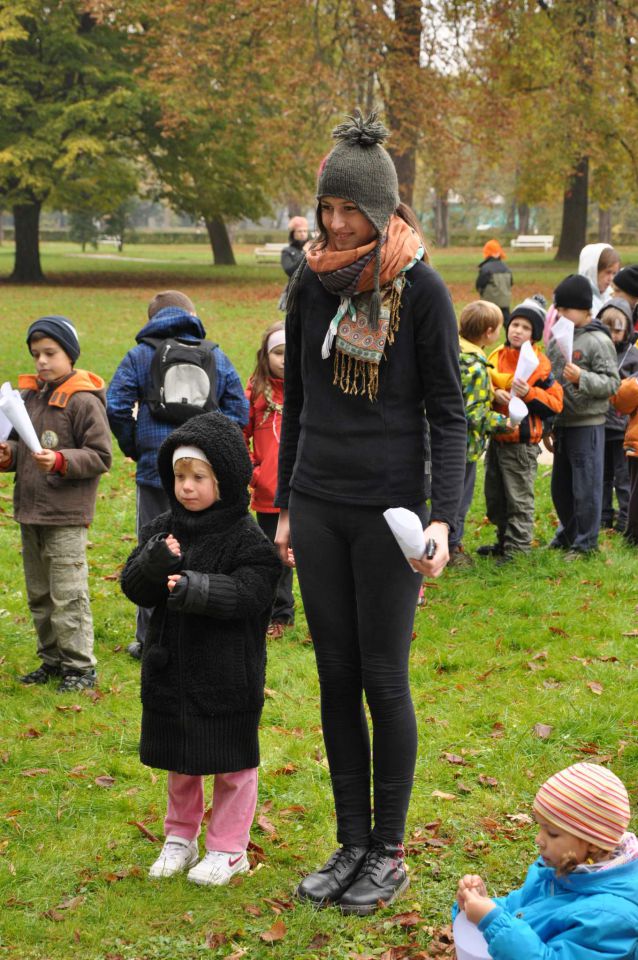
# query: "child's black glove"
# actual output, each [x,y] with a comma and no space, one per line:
[190,593]
[157,561]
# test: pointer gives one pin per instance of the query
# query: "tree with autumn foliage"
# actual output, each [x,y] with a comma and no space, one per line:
[67,105]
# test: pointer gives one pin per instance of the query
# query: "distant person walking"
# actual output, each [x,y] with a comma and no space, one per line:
[292,255]
[494,281]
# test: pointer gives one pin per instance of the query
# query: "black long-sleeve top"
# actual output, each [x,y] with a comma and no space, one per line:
[352,450]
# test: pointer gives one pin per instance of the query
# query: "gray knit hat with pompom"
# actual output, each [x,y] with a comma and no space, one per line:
[358,168]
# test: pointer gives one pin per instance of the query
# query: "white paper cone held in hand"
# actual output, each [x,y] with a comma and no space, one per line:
[563,334]
[408,532]
[517,411]
[13,408]
[469,942]
[527,362]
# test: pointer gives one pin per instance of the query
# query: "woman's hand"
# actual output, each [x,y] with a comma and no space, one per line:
[571,372]
[44,461]
[282,539]
[477,905]
[520,388]
[173,545]
[434,567]
[172,580]
[548,441]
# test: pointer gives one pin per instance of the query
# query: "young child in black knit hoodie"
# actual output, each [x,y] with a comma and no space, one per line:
[210,575]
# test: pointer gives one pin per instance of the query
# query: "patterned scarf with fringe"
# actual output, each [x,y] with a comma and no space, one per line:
[360,345]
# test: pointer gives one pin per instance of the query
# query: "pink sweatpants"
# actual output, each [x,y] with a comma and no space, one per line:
[234,803]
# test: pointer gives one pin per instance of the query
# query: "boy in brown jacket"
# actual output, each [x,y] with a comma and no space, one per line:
[54,499]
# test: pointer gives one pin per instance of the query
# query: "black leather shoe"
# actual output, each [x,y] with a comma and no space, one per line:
[380,880]
[490,550]
[327,884]
[135,650]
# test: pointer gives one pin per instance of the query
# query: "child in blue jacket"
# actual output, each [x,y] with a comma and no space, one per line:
[580,898]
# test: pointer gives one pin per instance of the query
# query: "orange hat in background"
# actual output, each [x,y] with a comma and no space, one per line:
[493,249]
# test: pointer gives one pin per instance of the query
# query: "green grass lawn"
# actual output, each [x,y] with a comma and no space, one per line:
[496,652]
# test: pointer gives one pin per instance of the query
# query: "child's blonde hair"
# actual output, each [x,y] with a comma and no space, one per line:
[189,460]
[261,373]
[477,318]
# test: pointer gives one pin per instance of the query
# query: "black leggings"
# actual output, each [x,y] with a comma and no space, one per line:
[360,597]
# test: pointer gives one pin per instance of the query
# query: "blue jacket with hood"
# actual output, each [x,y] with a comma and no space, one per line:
[140,438]
[580,916]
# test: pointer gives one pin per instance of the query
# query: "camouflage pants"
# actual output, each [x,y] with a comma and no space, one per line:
[56,575]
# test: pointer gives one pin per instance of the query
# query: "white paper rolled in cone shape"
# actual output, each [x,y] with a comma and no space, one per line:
[517,411]
[469,942]
[13,408]
[563,334]
[527,362]
[408,532]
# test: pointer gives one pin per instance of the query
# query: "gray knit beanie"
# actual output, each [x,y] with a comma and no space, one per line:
[359,169]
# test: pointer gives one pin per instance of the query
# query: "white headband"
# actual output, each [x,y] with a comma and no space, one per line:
[275,340]
[193,452]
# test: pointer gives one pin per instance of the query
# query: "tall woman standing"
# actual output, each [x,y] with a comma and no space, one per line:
[371,350]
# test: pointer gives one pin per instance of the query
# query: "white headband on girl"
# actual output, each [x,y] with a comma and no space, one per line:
[193,452]
[275,340]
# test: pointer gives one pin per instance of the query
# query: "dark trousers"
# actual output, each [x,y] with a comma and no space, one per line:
[283,609]
[577,485]
[615,477]
[360,595]
[456,534]
[631,531]
[151,501]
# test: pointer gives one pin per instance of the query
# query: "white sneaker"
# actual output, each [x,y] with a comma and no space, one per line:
[177,855]
[217,868]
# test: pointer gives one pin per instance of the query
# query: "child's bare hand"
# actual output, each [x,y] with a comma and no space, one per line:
[520,388]
[477,905]
[173,545]
[44,461]
[571,372]
[502,396]
[471,881]
[172,580]
[5,454]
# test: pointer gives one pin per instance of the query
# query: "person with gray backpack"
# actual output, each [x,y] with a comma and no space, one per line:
[172,374]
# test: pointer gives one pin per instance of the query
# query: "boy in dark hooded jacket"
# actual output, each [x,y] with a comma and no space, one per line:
[588,379]
[210,574]
[140,434]
[616,315]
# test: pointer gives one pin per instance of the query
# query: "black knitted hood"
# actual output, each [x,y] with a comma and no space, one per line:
[223,443]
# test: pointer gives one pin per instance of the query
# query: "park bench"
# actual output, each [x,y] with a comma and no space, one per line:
[269,251]
[534,242]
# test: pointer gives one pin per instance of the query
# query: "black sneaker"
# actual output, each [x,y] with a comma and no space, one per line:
[43,674]
[380,880]
[73,681]
[327,884]
[490,550]
[135,650]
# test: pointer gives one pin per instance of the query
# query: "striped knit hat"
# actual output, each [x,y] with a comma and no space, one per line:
[588,801]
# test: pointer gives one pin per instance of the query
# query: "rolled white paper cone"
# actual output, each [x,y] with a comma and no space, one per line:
[563,334]
[527,362]
[517,411]
[469,942]
[408,532]
[13,408]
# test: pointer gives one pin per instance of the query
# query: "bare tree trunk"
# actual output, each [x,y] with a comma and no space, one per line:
[223,255]
[405,53]
[26,266]
[510,224]
[523,218]
[441,231]
[1,229]
[573,236]
[604,225]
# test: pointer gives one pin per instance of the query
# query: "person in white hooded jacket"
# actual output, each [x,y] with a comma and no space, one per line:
[598,263]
